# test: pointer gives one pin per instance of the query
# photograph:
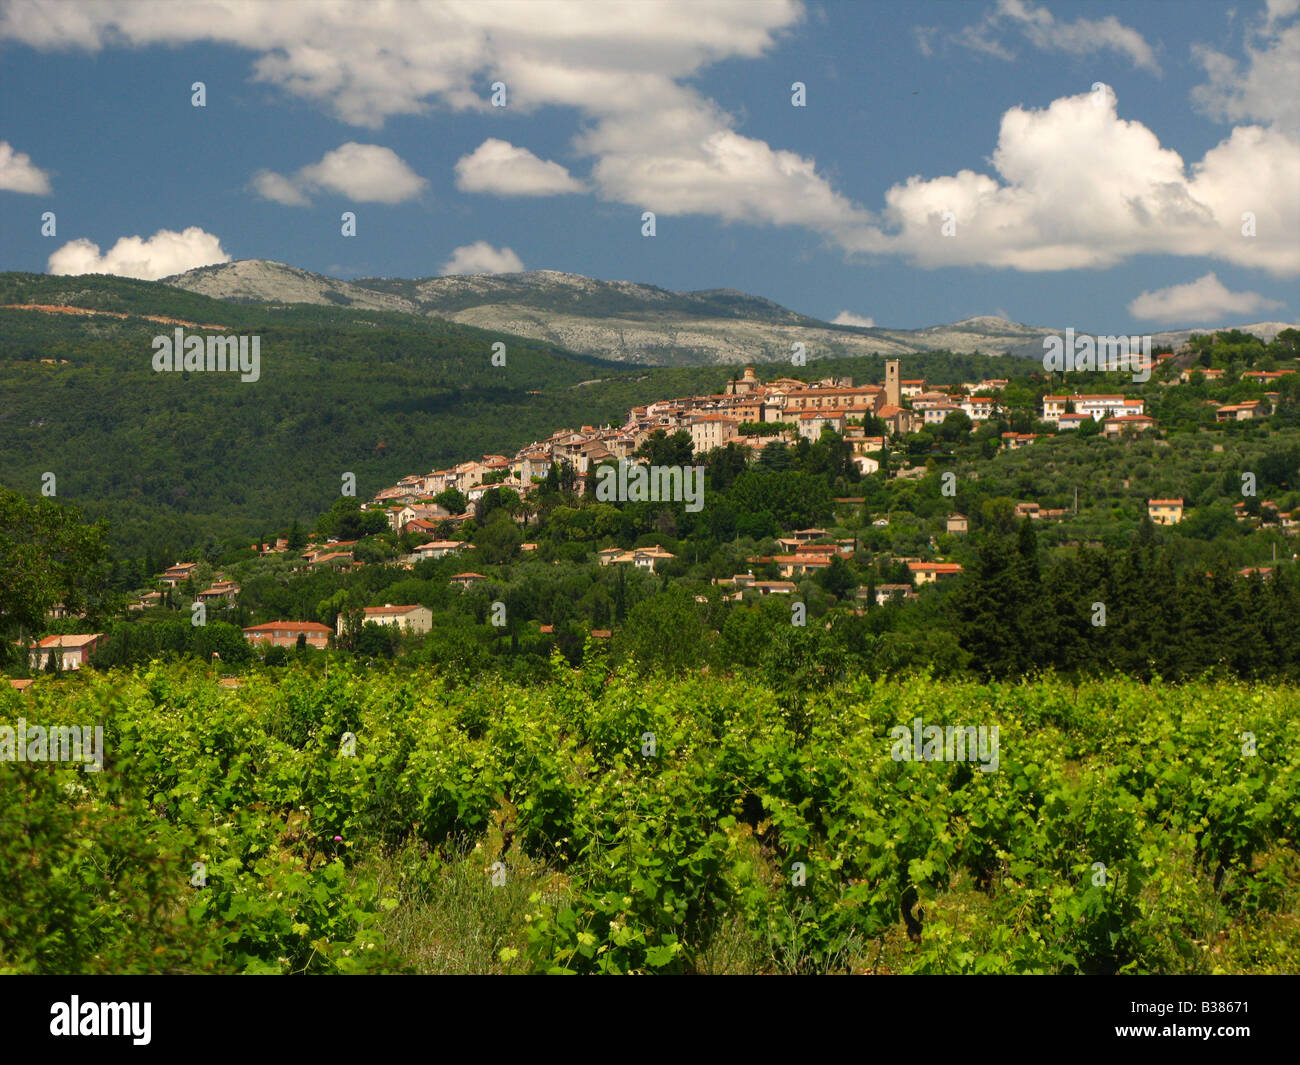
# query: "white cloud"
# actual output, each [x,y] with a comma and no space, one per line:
[1073,185]
[165,253]
[1080,187]
[849,318]
[1264,87]
[280,189]
[368,61]
[481,258]
[18,174]
[499,167]
[979,39]
[625,68]
[679,161]
[1046,32]
[366,173]
[1203,300]
[1279,10]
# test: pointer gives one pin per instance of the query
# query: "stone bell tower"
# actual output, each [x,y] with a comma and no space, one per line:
[893,387]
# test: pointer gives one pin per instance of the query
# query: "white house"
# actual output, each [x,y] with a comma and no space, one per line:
[411,618]
[71,652]
[1096,407]
[712,430]
[441,548]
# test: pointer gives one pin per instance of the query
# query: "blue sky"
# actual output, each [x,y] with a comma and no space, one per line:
[1092,163]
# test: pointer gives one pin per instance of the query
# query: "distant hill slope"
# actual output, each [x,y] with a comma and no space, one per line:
[623,321]
[175,459]
[617,320]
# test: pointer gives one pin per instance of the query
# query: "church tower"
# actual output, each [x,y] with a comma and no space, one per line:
[893,387]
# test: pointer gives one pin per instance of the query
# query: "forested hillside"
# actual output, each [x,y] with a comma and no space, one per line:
[181,457]
[180,460]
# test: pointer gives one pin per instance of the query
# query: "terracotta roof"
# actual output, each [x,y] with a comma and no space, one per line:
[79,640]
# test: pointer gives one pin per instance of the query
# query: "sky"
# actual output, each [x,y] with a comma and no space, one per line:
[1123,167]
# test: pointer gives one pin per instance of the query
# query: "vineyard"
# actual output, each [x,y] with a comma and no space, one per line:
[599,823]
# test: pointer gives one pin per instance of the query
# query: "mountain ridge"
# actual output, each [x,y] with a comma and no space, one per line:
[627,321]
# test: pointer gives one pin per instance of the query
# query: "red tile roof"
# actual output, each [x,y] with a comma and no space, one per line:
[295,626]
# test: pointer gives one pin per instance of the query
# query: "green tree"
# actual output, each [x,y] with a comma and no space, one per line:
[663,632]
[499,539]
[374,549]
[990,608]
[46,556]
[837,578]
[955,427]
[1278,469]
[660,449]
[345,520]
[376,641]
[998,514]
[452,500]
[1287,344]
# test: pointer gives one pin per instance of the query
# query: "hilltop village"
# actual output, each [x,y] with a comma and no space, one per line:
[846,489]
[753,415]
[790,408]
